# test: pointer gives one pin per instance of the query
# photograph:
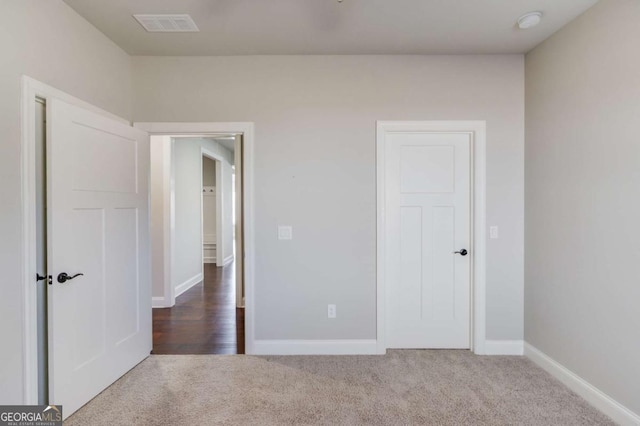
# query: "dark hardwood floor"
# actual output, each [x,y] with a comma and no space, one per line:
[204,319]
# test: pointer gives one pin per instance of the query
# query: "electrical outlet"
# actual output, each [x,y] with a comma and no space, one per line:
[493,232]
[331,311]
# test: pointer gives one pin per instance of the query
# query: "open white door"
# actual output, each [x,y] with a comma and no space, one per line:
[98,225]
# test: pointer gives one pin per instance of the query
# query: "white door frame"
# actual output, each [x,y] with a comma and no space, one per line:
[168,205]
[246,129]
[477,132]
[239,247]
[31,89]
[220,225]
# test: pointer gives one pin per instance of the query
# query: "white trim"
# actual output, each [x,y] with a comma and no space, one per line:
[161,178]
[247,131]
[237,212]
[194,129]
[600,400]
[159,302]
[169,224]
[227,260]
[504,347]
[30,90]
[182,287]
[477,130]
[315,347]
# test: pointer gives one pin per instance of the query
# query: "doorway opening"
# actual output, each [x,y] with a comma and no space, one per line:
[197,261]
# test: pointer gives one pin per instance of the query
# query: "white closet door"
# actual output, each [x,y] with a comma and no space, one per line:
[428,219]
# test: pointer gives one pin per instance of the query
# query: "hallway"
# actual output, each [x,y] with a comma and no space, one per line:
[204,319]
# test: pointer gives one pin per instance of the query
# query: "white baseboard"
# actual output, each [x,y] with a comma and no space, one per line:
[600,400]
[159,302]
[314,347]
[504,347]
[227,260]
[209,260]
[181,288]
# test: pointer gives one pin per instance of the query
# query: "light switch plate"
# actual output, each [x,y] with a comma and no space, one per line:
[331,311]
[285,232]
[493,232]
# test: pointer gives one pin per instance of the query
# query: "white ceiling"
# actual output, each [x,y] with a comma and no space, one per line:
[270,27]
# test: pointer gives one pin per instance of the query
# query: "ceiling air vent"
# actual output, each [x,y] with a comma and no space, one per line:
[167,23]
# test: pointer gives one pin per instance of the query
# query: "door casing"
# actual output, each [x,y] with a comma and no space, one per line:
[184,129]
[477,132]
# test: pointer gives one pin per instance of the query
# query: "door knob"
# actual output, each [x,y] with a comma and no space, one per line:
[63,277]
[462,252]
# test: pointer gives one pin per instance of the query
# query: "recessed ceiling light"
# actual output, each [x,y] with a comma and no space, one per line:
[529,20]
[167,23]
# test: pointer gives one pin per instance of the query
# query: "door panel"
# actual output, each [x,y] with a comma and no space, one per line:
[410,283]
[98,225]
[443,283]
[103,161]
[427,169]
[86,295]
[427,203]
[124,288]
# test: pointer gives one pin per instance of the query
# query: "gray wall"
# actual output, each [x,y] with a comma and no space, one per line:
[315,168]
[187,261]
[51,43]
[582,198]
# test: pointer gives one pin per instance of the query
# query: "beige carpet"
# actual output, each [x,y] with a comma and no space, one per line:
[403,387]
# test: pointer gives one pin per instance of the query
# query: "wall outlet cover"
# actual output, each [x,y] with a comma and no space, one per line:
[331,311]
[493,232]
